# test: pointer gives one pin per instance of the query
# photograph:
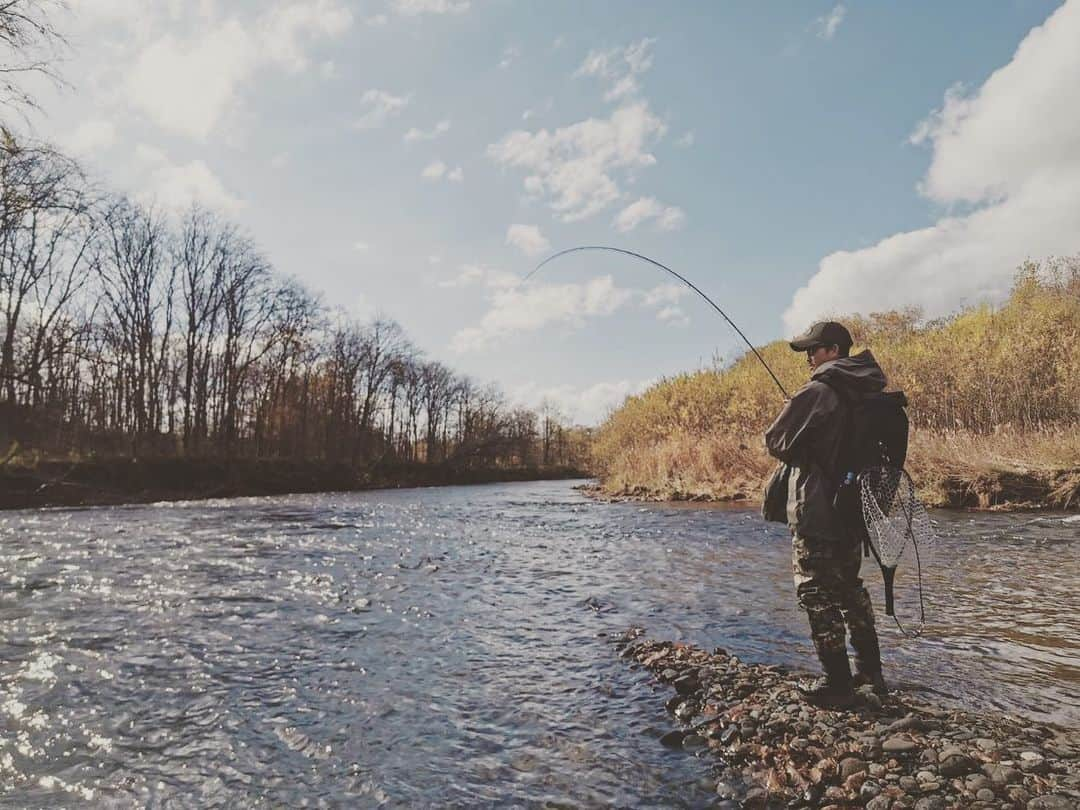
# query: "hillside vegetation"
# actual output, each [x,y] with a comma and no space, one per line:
[994,393]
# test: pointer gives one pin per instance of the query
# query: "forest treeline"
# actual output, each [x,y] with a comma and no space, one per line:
[994,405]
[129,331]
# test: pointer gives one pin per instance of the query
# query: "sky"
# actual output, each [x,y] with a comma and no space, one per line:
[415,158]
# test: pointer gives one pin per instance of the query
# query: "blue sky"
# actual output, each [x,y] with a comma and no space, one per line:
[415,157]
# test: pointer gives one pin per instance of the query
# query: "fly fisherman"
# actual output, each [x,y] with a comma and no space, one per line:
[808,436]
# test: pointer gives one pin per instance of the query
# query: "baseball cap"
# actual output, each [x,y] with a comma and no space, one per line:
[822,333]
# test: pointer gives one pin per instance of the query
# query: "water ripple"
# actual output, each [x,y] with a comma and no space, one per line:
[446,646]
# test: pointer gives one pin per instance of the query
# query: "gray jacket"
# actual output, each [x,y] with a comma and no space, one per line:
[808,435]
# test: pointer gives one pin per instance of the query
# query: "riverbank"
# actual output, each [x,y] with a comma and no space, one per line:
[117,481]
[773,750]
[963,484]
[994,406]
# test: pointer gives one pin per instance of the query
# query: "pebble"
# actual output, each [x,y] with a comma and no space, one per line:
[976,782]
[673,739]
[1031,762]
[1001,774]
[851,766]
[957,764]
[899,745]
[693,741]
[930,803]
[1052,802]
[903,755]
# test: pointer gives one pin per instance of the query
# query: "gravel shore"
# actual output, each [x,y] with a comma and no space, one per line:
[774,750]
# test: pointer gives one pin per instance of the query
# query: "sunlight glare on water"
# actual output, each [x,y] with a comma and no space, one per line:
[448,646]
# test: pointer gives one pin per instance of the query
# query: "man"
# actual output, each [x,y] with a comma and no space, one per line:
[808,435]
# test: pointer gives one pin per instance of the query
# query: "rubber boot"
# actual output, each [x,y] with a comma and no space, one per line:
[868,663]
[834,691]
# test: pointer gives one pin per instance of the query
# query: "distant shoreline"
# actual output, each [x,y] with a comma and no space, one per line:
[998,491]
[114,482]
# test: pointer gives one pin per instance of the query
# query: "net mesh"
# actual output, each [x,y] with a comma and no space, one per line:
[897,523]
[901,533]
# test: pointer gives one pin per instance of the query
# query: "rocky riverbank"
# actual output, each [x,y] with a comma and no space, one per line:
[774,750]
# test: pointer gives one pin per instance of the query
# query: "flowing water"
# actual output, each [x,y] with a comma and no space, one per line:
[448,647]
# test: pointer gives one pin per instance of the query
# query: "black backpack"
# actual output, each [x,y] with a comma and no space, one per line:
[877,436]
[878,432]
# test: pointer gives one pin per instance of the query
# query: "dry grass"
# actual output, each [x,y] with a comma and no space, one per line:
[995,406]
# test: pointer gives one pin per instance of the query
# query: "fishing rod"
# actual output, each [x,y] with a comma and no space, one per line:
[681,278]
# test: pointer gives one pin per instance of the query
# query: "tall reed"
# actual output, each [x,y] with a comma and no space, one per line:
[991,388]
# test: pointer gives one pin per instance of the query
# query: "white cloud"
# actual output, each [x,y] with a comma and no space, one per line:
[414,134]
[527,239]
[687,140]
[377,19]
[1012,148]
[185,85]
[328,70]
[284,29]
[532,112]
[620,67]
[475,274]
[574,165]
[93,135]
[527,308]
[668,217]
[434,170]
[827,24]
[361,247]
[434,259]
[176,186]
[150,155]
[468,275]
[665,294]
[379,106]
[437,170]
[414,8]
[665,299]
[673,315]
[510,54]
[584,406]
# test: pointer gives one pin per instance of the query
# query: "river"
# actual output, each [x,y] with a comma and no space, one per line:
[450,647]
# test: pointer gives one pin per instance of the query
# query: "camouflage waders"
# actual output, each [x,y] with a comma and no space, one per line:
[829,589]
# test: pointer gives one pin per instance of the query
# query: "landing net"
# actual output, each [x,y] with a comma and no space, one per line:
[898,527]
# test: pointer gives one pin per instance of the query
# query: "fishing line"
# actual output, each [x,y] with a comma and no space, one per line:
[915,521]
[681,278]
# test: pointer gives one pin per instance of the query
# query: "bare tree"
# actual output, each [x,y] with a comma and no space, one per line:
[137,284]
[27,37]
[45,231]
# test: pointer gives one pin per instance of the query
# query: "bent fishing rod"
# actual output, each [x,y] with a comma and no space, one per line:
[681,278]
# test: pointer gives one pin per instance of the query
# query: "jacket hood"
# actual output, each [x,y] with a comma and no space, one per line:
[859,373]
